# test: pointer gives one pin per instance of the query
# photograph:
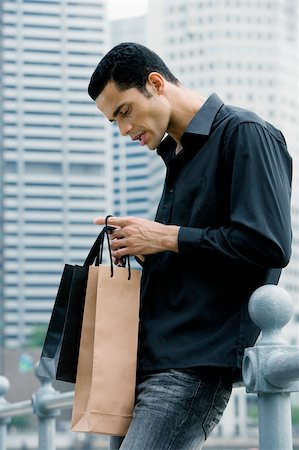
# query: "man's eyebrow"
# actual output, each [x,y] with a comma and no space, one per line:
[116,112]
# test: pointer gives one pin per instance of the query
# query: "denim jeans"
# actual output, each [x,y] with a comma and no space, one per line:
[175,410]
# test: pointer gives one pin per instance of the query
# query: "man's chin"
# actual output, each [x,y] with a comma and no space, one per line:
[150,147]
[154,144]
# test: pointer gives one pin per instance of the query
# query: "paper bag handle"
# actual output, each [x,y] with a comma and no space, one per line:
[96,252]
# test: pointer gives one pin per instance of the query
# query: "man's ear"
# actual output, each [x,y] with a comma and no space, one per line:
[157,82]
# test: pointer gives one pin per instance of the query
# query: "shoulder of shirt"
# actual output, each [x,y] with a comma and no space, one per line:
[238,116]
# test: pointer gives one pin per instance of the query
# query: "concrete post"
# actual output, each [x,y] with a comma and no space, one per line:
[46,416]
[271,367]
[4,421]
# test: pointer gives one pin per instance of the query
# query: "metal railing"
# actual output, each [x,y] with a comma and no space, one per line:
[46,403]
[270,369]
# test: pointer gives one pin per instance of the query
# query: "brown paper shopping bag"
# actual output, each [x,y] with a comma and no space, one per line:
[106,374]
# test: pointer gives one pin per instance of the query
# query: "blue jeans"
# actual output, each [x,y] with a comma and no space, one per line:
[175,410]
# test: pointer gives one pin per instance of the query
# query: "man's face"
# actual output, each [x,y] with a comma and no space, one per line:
[137,116]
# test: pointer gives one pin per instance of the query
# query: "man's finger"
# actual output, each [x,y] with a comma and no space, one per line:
[115,221]
[99,220]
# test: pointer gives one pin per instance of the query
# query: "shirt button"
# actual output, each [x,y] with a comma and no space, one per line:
[171,190]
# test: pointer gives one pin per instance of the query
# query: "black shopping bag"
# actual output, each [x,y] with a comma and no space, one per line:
[59,356]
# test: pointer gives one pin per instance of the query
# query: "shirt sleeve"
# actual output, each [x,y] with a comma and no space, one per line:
[259,170]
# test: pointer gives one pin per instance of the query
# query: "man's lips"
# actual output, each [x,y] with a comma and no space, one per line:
[139,137]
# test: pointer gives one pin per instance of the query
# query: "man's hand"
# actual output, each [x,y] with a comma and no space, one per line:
[135,236]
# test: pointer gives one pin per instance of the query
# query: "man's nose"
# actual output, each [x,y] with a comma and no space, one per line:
[124,127]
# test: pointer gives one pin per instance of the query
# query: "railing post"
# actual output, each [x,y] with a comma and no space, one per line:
[271,367]
[46,416]
[4,421]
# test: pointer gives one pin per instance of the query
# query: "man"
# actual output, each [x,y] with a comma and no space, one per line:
[221,230]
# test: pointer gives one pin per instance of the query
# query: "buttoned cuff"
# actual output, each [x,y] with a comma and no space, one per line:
[189,240]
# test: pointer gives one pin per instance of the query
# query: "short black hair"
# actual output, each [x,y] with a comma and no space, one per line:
[128,64]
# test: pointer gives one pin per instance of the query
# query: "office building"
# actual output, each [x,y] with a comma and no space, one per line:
[54,148]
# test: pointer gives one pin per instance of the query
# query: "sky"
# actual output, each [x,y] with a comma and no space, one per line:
[120,9]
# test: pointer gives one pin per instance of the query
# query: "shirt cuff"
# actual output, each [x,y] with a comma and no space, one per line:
[189,240]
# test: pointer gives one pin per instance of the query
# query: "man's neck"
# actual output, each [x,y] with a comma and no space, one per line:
[184,105]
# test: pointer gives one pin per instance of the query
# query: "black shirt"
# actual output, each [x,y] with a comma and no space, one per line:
[229,191]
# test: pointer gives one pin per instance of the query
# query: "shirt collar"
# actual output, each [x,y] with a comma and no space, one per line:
[200,126]
[204,118]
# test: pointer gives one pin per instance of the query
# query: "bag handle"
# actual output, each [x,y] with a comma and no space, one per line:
[96,252]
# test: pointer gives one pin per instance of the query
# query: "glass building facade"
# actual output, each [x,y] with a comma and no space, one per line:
[54,151]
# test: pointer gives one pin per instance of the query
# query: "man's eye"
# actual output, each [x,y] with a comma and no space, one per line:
[125,111]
